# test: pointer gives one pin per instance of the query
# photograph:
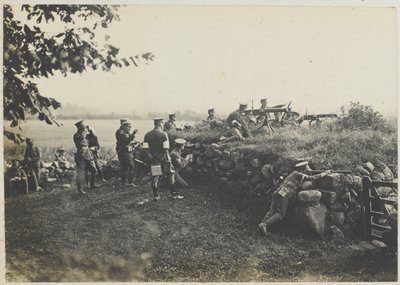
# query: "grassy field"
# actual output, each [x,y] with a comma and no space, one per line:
[113,234]
[116,234]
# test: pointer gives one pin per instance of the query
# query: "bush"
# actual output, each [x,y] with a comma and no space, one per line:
[361,117]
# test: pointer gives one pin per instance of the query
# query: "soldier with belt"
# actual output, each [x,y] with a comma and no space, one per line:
[170,125]
[32,161]
[238,126]
[125,152]
[286,194]
[83,158]
[94,147]
[156,146]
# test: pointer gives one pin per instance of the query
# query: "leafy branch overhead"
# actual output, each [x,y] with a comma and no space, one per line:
[30,52]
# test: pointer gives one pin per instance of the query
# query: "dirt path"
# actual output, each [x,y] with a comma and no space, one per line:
[211,235]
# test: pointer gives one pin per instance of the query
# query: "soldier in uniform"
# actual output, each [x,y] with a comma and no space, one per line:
[238,126]
[83,158]
[61,163]
[125,152]
[117,134]
[286,194]
[170,125]
[211,115]
[249,119]
[213,120]
[32,159]
[94,147]
[180,162]
[156,146]
[17,179]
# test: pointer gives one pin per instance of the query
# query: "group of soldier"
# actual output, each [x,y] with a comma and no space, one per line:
[157,157]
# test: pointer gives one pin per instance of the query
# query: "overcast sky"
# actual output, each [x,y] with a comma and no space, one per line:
[320,58]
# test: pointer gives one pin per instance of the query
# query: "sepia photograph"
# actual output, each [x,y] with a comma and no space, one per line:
[200,142]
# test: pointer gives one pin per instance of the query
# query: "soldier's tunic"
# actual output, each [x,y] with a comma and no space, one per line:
[235,131]
[286,195]
[18,181]
[32,159]
[118,147]
[84,160]
[178,161]
[125,154]
[169,126]
[158,149]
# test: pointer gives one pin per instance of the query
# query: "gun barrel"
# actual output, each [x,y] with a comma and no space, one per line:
[334,171]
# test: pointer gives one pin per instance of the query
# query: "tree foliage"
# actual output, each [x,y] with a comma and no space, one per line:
[361,117]
[29,53]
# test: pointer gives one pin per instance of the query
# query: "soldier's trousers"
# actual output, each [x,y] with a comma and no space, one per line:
[234,134]
[277,210]
[126,161]
[170,180]
[18,187]
[33,172]
[83,165]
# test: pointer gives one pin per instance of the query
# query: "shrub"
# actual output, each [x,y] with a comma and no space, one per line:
[361,117]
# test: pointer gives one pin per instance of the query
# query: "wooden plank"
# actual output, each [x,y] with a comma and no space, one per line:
[384,184]
[382,200]
[377,237]
[366,208]
[380,227]
[378,214]
[388,201]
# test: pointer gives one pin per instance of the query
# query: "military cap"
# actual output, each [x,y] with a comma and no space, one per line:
[263,100]
[123,120]
[171,114]
[211,110]
[157,119]
[243,104]
[301,164]
[126,123]
[180,141]
[80,123]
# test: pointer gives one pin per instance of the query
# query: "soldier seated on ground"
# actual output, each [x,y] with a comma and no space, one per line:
[61,163]
[180,162]
[215,123]
[285,195]
[16,179]
[238,125]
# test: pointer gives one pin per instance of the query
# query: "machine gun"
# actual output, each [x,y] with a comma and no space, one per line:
[317,117]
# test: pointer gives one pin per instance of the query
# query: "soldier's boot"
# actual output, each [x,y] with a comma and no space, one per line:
[174,193]
[92,184]
[80,191]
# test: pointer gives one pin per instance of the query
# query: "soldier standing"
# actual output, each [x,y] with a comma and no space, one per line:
[32,161]
[94,147]
[170,125]
[238,126]
[125,152]
[286,194]
[83,158]
[156,146]
[117,148]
